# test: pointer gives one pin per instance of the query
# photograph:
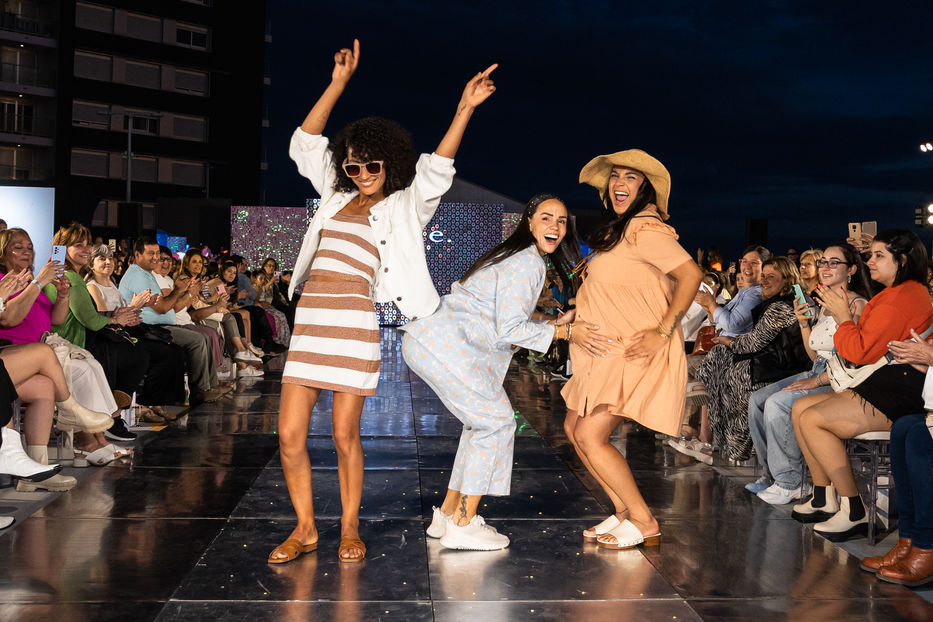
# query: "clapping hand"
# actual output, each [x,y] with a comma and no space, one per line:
[14,282]
[141,299]
[915,351]
[834,301]
[345,63]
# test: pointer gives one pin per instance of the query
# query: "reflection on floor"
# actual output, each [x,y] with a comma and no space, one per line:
[182,531]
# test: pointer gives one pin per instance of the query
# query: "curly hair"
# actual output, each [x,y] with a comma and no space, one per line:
[375,138]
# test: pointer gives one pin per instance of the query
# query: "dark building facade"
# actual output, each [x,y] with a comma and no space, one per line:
[186,76]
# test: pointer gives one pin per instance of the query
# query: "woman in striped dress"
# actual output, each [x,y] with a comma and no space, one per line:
[363,244]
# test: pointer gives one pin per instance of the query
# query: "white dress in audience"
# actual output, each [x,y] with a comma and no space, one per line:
[110,293]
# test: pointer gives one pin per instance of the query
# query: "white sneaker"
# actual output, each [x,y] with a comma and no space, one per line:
[249,372]
[255,350]
[438,524]
[775,495]
[476,536]
[246,357]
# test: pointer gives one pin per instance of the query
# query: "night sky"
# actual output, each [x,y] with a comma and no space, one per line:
[807,114]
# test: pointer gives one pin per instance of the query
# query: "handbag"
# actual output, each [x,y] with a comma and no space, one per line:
[154,332]
[844,375]
[704,340]
[115,333]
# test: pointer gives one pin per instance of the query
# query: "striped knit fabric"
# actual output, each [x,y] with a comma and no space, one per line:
[335,343]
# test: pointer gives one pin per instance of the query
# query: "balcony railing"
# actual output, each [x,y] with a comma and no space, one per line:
[28,25]
[27,125]
[26,75]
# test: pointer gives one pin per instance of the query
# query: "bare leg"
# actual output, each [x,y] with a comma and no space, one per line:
[346,432]
[570,425]
[247,328]
[25,361]
[819,476]
[38,395]
[706,435]
[450,502]
[294,416]
[466,509]
[824,425]
[592,433]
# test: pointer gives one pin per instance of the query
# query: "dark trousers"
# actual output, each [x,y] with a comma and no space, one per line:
[124,363]
[165,377]
[261,329]
[912,468]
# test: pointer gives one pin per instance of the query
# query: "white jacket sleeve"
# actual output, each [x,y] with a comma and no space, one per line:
[433,176]
[314,160]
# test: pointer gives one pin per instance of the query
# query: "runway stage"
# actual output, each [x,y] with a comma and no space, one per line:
[183,530]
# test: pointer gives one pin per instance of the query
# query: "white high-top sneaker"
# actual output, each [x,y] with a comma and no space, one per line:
[475,536]
[438,524]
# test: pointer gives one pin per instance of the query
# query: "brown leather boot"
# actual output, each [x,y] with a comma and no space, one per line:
[914,570]
[899,552]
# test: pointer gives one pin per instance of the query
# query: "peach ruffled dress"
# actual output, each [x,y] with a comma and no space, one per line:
[626,291]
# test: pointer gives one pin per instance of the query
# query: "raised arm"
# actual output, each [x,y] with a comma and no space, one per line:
[475,93]
[345,63]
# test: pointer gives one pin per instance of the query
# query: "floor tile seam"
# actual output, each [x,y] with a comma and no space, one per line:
[421,492]
[323,601]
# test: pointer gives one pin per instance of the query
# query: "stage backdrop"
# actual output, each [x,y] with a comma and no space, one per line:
[469,221]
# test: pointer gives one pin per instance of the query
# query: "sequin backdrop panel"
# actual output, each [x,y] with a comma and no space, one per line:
[457,235]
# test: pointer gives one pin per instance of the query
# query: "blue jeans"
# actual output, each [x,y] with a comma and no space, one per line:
[772,430]
[912,468]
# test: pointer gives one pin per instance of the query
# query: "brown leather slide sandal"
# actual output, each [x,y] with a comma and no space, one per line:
[351,543]
[292,548]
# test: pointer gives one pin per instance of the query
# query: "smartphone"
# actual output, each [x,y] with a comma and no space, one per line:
[58,254]
[221,289]
[800,298]
[112,244]
[855,230]
[706,288]
[870,227]
[277,274]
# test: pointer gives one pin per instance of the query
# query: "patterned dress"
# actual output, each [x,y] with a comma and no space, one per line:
[463,352]
[335,344]
[729,382]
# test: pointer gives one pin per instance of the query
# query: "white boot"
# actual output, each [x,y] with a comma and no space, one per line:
[56,483]
[72,415]
[806,513]
[15,462]
[840,527]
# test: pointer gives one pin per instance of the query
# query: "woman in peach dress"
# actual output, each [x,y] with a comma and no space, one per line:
[627,349]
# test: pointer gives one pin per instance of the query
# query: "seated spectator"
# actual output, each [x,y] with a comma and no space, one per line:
[809,278]
[735,318]
[264,287]
[770,351]
[216,319]
[164,379]
[910,562]
[274,294]
[262,335]
[27,318]
[224,285]
[123,364]
[769,408]
[202,377]
[822,422]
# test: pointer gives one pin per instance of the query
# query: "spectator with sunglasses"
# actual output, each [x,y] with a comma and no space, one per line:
[363,245]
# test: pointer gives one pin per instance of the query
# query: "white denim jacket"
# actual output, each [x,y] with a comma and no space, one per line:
[397,223]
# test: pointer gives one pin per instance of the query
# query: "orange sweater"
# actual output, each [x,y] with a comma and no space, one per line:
[888,316]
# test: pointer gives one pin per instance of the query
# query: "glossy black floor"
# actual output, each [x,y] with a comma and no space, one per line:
[182,532]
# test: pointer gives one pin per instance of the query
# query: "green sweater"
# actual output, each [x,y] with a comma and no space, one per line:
[82,312]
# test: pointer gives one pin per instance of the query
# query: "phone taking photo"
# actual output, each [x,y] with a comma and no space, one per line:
[800,298]
[58,254]
[221,289]
[855,231]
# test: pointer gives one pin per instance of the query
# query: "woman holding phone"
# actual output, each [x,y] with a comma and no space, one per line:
[364,244]
[463,351]
[822,422]
[769,409]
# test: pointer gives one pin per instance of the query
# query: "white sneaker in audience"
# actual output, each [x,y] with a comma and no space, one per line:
[475,536]
[249,372]
[775,495]
[247,357]
[255,350]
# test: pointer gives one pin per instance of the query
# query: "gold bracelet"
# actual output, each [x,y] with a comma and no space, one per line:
[662,333]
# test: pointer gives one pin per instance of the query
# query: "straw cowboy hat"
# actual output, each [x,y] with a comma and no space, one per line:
[596,173]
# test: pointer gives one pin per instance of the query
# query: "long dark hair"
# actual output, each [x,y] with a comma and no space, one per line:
[612,227]
[860,282]
[906,247]
[566,257]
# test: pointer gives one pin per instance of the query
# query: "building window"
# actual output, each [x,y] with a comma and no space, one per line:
[143,27]
[89,163]
[87,114]
[143,74]
[94,17]
[93,66]
[188,173]
[143,124]
[15,164]
[192,36]
[194,82]
[145,169]
[190,128]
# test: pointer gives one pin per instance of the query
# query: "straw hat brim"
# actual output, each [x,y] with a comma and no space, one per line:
[596,173]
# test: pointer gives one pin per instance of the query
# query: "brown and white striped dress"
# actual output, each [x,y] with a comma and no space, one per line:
[335,343]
